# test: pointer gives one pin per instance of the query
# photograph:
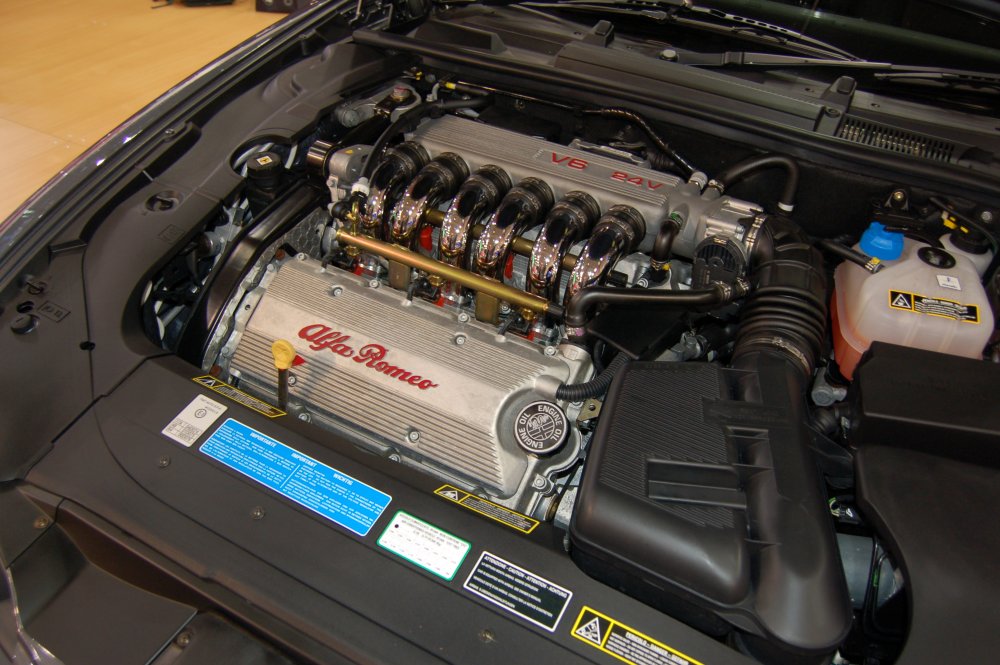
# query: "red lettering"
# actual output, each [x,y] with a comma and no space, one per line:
[571,162]
[321,337]
[618,175]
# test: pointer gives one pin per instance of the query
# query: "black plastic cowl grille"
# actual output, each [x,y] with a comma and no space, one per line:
[895,140]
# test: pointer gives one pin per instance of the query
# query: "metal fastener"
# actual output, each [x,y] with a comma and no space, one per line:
[550,351]
[42,522]
[986,216]
[486,635]
[337,290]
[463,317]
[305,417]
[460,339]
[257,513]
[538,483]
[183,639]
[163,462]
[292,379]
[413,435]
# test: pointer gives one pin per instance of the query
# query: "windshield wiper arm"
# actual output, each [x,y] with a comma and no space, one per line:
[686,13]
[880,70]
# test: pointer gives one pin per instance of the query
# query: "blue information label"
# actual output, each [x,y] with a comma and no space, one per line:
[322,489]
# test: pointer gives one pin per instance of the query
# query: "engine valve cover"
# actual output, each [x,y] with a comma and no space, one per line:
[408,376]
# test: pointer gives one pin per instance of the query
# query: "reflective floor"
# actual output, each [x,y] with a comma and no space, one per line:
[72,70]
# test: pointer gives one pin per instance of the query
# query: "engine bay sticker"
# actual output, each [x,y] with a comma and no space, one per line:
[624,643]
[424,545]
[518,591]
[237,395]
[322,489]
[948,309]
[194,420]
[494,511]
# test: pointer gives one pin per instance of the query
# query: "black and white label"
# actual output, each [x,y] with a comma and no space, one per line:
[540,427]
[518,591]
[194,420]
[919,304]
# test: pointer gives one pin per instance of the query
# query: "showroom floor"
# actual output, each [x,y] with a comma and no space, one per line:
[72,70]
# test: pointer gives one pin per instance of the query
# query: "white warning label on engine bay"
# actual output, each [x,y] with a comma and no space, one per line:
[424,545]
[518,591]
[194,420]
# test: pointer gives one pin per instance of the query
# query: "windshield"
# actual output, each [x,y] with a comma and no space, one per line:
[936,33]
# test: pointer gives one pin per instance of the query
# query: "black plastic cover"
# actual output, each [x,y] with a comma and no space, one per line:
[921,400]
[710,508]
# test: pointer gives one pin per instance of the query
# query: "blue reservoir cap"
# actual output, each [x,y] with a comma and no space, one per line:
[881,244]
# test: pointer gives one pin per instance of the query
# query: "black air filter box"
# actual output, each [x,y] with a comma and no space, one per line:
[710,508]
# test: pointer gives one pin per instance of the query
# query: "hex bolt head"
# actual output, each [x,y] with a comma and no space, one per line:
[550,351]
[413,435]
[337,290]
[163,462]
[463,317]
[257,513]
[460,339]
[538,483]
[292,379]
[305,417]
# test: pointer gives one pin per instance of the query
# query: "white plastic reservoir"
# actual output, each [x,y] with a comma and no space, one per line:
[925,298]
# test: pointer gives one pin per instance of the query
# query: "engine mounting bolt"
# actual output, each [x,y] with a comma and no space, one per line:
[986,216]
[413,435]
[257,513]
[305,417]
[337,290]
[550,351]
[463,317]
[163,462]
[460,339]
[42,522]
[538,483]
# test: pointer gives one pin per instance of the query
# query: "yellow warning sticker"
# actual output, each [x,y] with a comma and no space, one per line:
[946,309]
[626,644]
[494,511]
[249,401]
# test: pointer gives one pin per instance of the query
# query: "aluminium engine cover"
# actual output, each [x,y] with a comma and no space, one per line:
[406,377]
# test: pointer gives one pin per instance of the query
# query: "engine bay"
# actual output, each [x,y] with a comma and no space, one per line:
[677,349]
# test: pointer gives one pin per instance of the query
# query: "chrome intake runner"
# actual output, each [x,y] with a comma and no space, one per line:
[434,183]
[475,199]
[568,221]
[520,210]
[617,233]
[397,167]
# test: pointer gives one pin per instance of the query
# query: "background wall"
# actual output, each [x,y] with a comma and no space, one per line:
[72,70]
